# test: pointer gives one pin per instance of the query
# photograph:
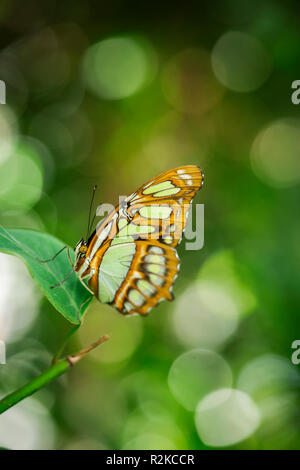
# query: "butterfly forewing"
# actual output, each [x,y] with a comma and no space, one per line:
[165,201]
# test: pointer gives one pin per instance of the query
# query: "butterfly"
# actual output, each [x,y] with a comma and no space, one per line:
[130,260]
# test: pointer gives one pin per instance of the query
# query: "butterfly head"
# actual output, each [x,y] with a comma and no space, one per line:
[80,252]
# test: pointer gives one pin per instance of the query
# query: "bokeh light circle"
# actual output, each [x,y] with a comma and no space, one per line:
[275,153]
[268,374]
[21,177]
[125,333]
[223,270]
[273,382]
[8,132]
[162,423]
[150,442]
[205,315]
[27,426]
[188,82]
[17,312]
[196,373]
[45,63]
[118,67]
[240,62]
[225,417]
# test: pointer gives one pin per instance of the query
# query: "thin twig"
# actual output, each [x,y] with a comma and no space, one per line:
[57,369]
[75,358]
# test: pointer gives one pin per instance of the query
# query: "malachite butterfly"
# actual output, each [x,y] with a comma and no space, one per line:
[130,260]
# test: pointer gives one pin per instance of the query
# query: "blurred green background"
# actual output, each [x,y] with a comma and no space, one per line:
[113,93]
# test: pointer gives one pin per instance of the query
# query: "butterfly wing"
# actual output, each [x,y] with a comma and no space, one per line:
[182,182]
[135,276]
[132,259]
[165,202]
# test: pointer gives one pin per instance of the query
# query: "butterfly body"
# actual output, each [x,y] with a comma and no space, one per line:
[130,260]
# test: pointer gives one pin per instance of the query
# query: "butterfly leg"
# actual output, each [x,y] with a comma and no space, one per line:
[53,257]
[80,278]
[68,252]
[88,276]
[61,282]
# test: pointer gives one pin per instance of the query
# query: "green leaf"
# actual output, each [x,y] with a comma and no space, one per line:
[68,298]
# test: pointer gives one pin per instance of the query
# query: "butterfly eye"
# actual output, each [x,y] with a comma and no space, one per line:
[79,244]
[83,249]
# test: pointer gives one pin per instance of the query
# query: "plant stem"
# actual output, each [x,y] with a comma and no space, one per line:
[64,343]
[54,371]
[50,374]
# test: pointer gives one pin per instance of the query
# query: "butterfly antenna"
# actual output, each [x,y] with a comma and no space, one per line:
[90,211]
[92,223]
[61,282]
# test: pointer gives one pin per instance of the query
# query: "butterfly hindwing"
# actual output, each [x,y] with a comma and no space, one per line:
[148,280]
